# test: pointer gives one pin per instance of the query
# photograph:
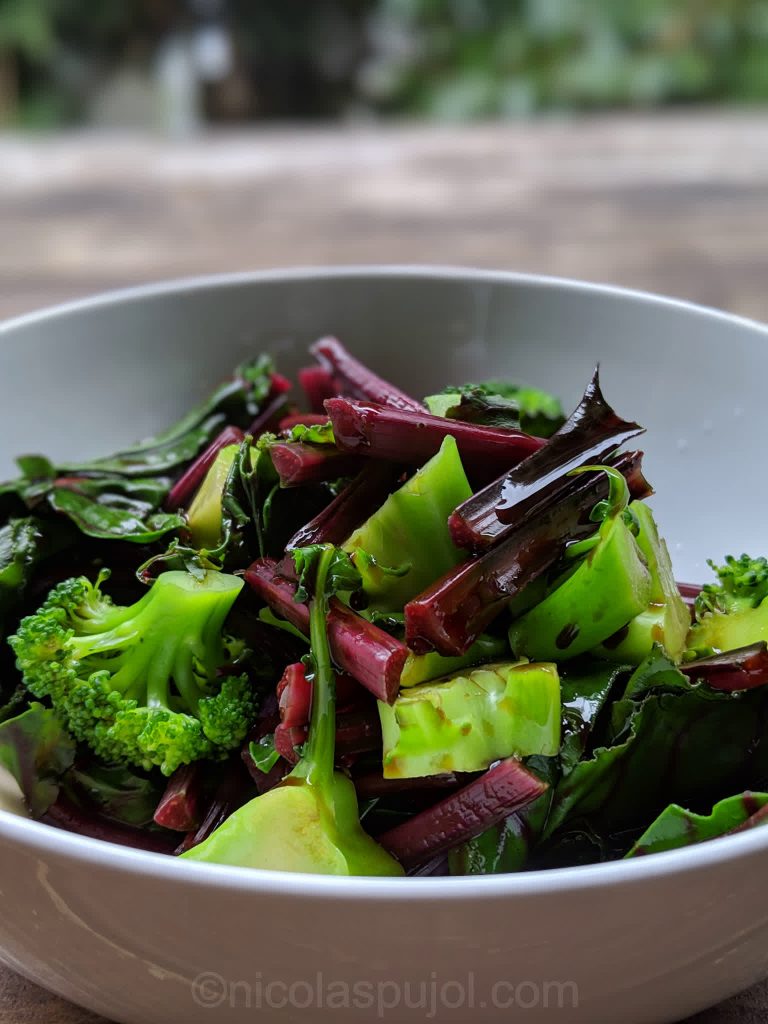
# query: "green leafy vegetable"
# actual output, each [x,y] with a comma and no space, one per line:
[118,792]
[673,740]
[677,827]
[500,404]
[313,434]
[114,516]
[37,751]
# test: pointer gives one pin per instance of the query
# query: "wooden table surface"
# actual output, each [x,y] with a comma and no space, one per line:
[677,204]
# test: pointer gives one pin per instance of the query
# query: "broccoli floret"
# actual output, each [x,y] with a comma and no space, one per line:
[140,684]
[733,612]
[743,583]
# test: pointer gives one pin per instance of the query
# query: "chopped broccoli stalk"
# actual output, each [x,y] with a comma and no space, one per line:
[309,822]
[666,619]
[733,612]
[204,517]
[466,723]
[608,588]
[420,668]
[139,684]
[409,533]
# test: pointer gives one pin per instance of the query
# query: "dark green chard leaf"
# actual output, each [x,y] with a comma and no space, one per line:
[24,543]
[500,404]
[118,792]
[687,743]
[236,402]
[677,827]
[113,516]
[35,467]
[154,456]
[21,545]
[248,495]
[37,751]
[585,691]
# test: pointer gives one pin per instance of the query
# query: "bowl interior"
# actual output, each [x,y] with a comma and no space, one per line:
[84,379]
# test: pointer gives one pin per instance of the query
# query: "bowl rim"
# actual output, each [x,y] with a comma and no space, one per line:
[41,838]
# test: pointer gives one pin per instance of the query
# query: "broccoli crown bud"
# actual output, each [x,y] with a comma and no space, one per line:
[140,684]
[742,583]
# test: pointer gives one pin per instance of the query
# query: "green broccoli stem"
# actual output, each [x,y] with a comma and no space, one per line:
[316,766]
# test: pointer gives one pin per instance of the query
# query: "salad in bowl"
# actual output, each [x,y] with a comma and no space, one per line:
[340,629]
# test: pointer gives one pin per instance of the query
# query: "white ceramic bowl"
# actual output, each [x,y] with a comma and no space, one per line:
[142,938]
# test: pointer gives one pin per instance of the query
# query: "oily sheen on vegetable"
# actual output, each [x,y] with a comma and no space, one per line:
[342,628]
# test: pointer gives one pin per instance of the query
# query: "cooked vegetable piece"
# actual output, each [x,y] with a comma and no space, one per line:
[298,463]
[666,620]
[204,518]
[499,403]
[358,500]
[741,669]
[591,433]
[609,587]
[677,827]
[420,668]
[352,377]
[397,435]
[733,612]
[452,613]
[409,532]
[465,723]
[360,648]
[139,684]
[309,822]
[191,479]
[502,790]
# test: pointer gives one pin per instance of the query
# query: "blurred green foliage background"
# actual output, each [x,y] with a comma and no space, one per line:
[444,59]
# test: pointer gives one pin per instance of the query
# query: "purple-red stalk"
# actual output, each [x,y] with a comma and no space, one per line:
[589,435]
[374,658]
[450,614]
[505,788]
[398,435]
[179,807]
[231,793]
[69,816]
[268,417]
[373,784]
[474,525]
[349,509]
[742,669]
[354,378]
[185,487]
[317,384]
[297,463]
